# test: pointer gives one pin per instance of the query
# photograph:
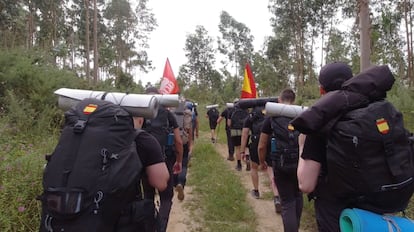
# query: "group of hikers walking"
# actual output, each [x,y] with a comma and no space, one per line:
[334,151]
[349,150]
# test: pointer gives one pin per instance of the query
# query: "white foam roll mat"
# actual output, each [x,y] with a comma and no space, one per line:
[279,109]
[212,106]
[230,105]
[168,100]
[140,105]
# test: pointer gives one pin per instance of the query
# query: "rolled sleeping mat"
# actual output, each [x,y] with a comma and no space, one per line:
[253,102]
[359,220]
[140,105]
[279,109]
[230,105]
[168,100]
[212,106]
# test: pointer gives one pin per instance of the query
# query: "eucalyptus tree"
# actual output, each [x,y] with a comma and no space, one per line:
[406,8]
[321,20]
[236,42]
[146,23]
[12,24]
[338,47]
[124,32]
[95,42]
[279,54]
[31,23]
[200,54]
[289,18]
[365,38]
[87,38]
[387,43]
[51,26]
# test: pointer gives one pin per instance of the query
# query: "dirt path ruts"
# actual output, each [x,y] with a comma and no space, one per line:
[266,216]
[268,221]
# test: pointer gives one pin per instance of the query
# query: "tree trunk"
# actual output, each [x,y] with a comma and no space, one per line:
[408,38]
[87,46]
[364,39]
[95,43]
[30,26]
[410,31]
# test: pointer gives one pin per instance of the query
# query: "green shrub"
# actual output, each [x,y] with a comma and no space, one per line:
[21,166]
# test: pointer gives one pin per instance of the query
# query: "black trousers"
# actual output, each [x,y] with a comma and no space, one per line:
[291,199]
[230,145]
[167,195]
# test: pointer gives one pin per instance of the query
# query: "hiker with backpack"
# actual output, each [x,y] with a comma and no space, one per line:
[253,123]
[92,179]
[356,153]
[226,115]
[160,127]
[235,122]
[184,116]
[312,163]
[192,106]
[283,158]
[212,115]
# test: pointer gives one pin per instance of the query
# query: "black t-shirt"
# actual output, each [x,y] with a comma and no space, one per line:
[149,149]
[248,123]
[226,114]
[267,126]
[172,121]
[328,208]
[212,114]
[315,149]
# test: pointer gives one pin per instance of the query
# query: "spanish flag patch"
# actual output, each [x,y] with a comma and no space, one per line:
[382,126]
[89,109]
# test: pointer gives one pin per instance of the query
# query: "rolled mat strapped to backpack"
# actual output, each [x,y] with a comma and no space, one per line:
[358,220]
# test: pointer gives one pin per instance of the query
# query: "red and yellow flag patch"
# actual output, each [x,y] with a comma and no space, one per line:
[382,126]
[89,109]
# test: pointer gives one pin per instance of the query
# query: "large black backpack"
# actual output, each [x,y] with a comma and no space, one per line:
[237,118]
[370,159]
[159,126]
[213,113]
[93,173]
[258,119]
[284,148]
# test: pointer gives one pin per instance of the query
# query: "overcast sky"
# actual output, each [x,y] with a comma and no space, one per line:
[178,18]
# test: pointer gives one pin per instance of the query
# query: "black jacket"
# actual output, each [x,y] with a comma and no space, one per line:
[368,86]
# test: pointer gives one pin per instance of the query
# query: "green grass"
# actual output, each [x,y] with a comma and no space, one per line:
[220,203]
[21,169]
[219,193]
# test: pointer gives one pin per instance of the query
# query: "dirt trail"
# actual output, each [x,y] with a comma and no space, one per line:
[180,214]
[267,219]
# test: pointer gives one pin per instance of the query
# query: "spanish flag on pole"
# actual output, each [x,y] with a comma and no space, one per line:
[169,84]
[249,86]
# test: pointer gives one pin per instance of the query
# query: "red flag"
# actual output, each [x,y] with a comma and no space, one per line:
[169,84]
[249,86]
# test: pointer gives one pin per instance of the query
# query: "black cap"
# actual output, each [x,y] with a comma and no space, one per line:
[333,75]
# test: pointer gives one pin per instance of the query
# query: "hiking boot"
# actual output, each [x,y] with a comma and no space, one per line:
[255,193]
[238,167]
[278,205]
[248,165]
[231,158]
[180,190]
